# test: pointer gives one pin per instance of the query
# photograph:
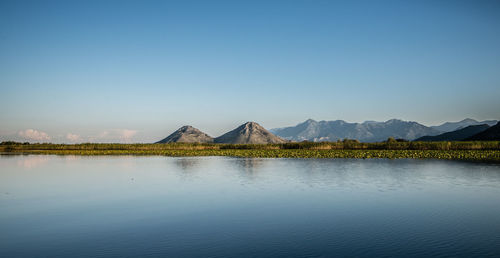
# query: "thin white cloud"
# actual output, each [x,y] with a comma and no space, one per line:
[114,135]
[73,137]
[126,134]
[103,134]
[31,134]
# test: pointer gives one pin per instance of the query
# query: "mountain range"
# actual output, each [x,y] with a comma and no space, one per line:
[369,131]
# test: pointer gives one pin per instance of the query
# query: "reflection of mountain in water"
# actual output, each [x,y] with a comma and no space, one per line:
[188,164]
[250,167]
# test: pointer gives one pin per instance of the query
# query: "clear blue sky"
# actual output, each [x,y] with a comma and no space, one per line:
[137,70]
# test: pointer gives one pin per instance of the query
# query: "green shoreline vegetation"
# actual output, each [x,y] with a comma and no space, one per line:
[484,151]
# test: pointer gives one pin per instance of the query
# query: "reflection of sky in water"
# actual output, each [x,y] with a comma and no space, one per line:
[220,206]
[33,161]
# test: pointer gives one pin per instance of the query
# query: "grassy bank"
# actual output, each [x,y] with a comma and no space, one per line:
[473,151]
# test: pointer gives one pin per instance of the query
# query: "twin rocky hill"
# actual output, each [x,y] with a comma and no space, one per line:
[248,133]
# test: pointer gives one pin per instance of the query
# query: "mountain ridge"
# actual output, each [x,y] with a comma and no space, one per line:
[490,134]
[453,126]
[368,131]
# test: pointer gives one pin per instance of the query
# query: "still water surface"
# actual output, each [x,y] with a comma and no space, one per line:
[67,206]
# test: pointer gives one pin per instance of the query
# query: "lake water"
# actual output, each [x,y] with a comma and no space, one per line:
[67,206]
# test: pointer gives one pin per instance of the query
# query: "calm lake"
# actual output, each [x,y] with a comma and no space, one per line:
[67,206]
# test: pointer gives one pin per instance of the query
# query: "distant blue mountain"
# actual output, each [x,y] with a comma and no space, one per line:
[452,126]
[369,131]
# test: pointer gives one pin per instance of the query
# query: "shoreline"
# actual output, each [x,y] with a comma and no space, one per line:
[481,151]
[488,156]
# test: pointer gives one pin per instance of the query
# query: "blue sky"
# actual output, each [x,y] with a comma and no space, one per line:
[137,70]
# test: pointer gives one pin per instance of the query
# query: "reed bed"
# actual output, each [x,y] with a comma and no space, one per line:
[473,151]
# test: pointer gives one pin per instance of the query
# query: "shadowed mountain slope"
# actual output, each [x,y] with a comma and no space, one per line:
[490,134]
[188,134]
[458,135]
[249,133]
[369,131]
[453,126]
